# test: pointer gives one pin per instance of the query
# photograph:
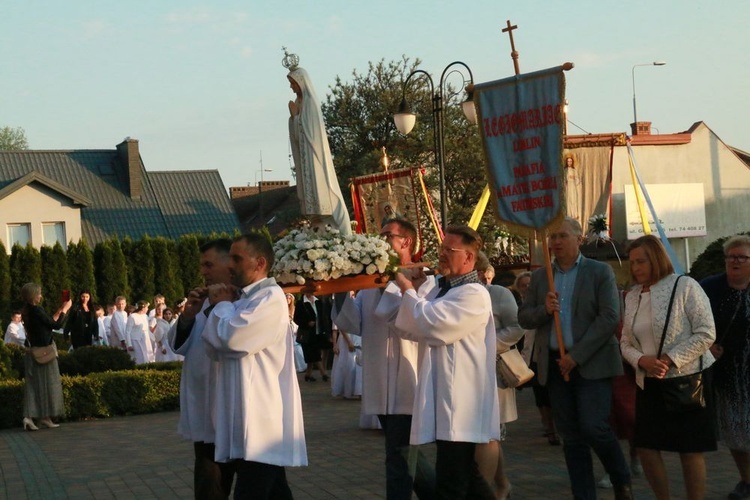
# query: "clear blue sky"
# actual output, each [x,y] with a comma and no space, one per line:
[200,84]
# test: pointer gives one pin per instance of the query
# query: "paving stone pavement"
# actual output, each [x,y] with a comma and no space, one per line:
[141,457]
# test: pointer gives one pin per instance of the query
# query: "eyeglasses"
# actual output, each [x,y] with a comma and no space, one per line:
[444,249]
[737,259]
[392,235]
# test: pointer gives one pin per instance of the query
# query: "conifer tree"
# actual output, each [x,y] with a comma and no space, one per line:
[54,274]
[188,258]
[126,245]
[5,296]
[81,269]
[141,267]
[176,265]
[103,264]
[25,267]
[166,282]
[119,278]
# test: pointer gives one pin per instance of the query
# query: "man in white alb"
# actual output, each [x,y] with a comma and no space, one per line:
[389,367]
[456,404]
[118,324]
[210,479]
[258,406]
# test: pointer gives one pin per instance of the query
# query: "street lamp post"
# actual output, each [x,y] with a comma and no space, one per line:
[405,119]
[635,112]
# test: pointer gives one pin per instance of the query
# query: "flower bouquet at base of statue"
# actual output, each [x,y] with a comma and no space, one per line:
[321,260]
[598,232]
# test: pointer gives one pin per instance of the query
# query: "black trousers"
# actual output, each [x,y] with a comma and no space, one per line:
[211,480]
[458,474]
[257,481]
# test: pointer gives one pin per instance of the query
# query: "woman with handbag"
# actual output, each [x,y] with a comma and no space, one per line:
[43,396]
[667,331]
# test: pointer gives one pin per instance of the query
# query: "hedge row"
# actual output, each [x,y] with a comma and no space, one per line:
[129,392]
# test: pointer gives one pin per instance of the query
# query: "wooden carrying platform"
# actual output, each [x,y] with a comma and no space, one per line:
[343,284]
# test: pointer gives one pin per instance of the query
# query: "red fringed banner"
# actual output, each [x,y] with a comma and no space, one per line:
[398,193]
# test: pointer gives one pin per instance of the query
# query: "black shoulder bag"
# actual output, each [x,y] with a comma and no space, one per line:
[684,393]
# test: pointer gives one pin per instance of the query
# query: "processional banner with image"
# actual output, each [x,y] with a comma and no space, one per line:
[396,193]
[587,178]
[521,123]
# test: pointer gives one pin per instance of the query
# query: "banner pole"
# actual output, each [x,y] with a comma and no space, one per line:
[551,287]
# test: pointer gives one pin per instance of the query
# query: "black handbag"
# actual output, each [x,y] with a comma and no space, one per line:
[681,394]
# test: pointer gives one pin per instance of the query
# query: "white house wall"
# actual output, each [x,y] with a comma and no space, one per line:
[706,159]
[35,204]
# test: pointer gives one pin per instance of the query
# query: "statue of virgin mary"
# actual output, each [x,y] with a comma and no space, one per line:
[317,186]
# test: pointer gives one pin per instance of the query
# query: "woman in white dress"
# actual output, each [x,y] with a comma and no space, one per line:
[299,356]
[344,379]
[163,351]
[138,335]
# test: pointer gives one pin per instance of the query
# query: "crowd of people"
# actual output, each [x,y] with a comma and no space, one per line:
[422,352]
[136,330]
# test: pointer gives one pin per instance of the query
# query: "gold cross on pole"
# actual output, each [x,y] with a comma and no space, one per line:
[514,54]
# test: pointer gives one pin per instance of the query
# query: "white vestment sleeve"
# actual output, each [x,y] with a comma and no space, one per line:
[447,319]
[128,331]
[118,325]
[238,331]
[349,318]
[389,303]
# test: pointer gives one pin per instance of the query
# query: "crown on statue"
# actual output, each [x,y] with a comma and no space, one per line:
[290,61]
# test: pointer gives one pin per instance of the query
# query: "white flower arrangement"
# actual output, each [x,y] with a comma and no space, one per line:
[323,254]
[598,229]
[599,232]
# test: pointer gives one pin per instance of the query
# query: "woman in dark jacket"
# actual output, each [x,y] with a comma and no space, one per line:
[82,325]
[43,391]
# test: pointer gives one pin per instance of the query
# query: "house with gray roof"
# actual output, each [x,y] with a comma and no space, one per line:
[65,195]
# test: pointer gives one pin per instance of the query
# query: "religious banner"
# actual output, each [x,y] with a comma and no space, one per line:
[521,124]
[587,178]
[396,193]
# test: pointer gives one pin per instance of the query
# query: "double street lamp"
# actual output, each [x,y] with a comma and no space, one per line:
[635,113]
[405,118]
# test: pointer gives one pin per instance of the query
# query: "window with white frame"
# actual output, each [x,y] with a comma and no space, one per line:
[54,232]
[18,233]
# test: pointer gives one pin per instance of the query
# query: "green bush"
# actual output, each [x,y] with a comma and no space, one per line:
[711,260]
[161,366]
[15,369]
[139,391]
[82,398]
[101,395]
[63,344]
[93,359]
[7,369]
[82,361]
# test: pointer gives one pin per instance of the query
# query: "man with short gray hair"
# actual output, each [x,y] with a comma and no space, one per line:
[456,403]
[587,302]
